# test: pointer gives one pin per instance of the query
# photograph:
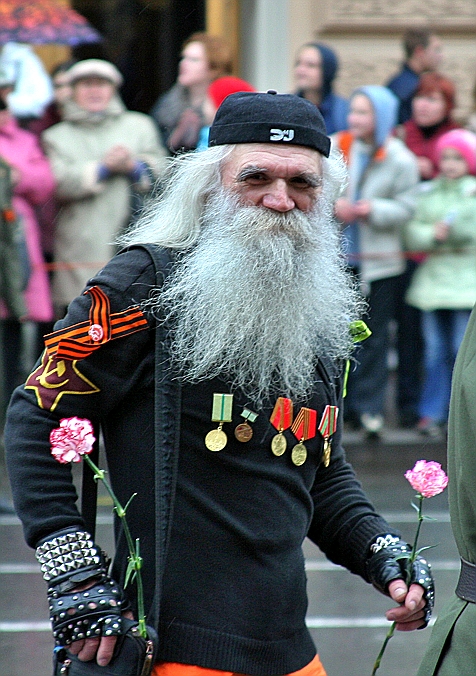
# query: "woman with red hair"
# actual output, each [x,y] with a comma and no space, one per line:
[432,106]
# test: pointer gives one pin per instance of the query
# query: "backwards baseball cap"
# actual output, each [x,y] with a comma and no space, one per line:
[268,117]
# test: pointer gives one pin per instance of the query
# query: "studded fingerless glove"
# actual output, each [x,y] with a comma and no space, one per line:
[388,560]
[70,560]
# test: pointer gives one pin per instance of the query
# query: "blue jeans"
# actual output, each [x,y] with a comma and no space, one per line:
[443,332]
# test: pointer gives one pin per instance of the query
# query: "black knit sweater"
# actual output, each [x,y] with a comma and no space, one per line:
[234,594]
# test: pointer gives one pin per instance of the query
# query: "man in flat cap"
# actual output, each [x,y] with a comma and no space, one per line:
[213,363]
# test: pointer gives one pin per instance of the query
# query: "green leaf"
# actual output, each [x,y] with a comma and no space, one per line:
[422,549]
[129,572]
[129,502]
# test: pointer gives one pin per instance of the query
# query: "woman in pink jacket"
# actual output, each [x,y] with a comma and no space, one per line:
[33,185]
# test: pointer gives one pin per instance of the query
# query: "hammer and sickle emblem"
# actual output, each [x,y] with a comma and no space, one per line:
[53,368]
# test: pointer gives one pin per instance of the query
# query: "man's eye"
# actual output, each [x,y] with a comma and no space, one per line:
[255,178]
[299,182]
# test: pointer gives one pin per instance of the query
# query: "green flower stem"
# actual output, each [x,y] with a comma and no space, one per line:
[134,558]
[410,561]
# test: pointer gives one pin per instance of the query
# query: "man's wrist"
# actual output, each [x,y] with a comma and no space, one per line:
[67,552]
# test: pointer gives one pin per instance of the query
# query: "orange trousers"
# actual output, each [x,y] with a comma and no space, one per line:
[314,668]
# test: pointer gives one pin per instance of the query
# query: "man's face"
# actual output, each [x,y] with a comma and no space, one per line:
[277,177]
[433,54]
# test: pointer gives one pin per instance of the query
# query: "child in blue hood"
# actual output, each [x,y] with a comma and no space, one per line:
[373,213]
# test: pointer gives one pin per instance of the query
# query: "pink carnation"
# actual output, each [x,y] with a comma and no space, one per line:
[427,478]
[72,439]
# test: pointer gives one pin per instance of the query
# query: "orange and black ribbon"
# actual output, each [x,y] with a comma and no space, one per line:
[81,340]
[304,427]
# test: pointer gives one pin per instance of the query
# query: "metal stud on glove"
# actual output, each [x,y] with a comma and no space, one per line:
[388,561]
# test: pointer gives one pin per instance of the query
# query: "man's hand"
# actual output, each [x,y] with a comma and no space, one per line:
[101,648]
[410,614]
[387,566]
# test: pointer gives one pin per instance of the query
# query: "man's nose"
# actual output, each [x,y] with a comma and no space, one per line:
[277,197]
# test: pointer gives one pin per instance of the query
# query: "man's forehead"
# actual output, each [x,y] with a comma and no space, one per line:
[267,155]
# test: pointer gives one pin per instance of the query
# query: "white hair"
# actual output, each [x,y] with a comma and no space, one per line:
[173,218]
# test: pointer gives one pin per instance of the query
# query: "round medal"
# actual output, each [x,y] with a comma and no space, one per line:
[278,444]
[243,432]
[216,440]
[299,454]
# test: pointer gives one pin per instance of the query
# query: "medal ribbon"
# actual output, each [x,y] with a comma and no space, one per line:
[304,427]
[328,424]
[249,415]
[282,415]
[222,407]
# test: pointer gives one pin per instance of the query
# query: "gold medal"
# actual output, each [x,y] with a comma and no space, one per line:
[303,427]
[299,454]
[221,412]
[244,431]
[281,418]
[278,444]
[327,428]
[216,440]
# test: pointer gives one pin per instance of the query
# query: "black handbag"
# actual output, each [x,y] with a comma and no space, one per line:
[133,656]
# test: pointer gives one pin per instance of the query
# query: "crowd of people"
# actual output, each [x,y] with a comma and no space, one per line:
[93,163]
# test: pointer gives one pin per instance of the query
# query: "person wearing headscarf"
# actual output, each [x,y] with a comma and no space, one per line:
[314,73]
[102,155]
[372,212]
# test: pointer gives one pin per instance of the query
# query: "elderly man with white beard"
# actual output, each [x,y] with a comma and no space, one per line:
[210,352]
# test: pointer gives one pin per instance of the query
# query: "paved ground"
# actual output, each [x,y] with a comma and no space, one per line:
[346,616]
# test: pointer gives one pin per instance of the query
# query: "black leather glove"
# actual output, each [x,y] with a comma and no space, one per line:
[389,560]
[70,560]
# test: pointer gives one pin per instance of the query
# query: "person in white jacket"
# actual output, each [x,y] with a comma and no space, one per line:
[373,212]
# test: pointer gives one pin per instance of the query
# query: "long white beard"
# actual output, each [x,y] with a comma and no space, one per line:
[259,298]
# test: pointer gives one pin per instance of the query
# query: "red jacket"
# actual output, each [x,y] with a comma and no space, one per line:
[421,144]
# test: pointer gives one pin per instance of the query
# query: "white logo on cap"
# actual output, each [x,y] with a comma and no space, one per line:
[281,134]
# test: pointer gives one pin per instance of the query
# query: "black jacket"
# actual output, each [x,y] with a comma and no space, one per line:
[258,506]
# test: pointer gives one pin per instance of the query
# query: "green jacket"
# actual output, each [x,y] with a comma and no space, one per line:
[452,646]
[446,279]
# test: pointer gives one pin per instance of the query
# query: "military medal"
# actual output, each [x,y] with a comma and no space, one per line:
[221,413]
[304,427]
[327,427]
[244,431]
[281,419]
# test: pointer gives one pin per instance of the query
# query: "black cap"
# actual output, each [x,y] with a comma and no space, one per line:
[268,117]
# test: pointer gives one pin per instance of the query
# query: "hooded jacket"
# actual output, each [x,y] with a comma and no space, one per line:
[390,172]
[334,108]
